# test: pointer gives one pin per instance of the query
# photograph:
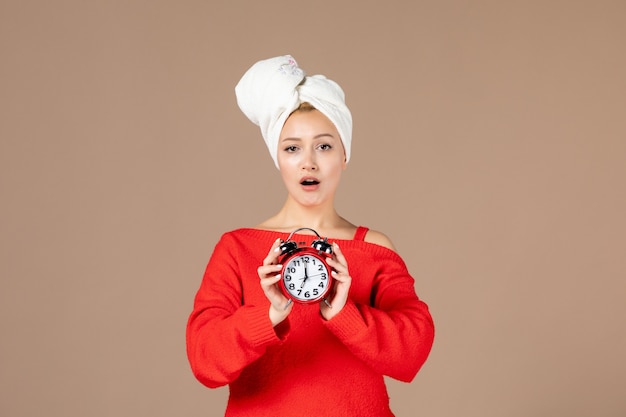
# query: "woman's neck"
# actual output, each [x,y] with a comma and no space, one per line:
[323,219]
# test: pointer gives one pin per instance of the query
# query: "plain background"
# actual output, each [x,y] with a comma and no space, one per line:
[489,144]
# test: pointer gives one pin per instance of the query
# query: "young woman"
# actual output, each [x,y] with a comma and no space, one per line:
[284,358]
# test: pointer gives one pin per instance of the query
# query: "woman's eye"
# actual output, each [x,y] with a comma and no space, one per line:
[325,147]
[291,148]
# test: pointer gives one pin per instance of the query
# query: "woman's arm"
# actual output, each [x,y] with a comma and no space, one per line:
[223,337]
[393,333]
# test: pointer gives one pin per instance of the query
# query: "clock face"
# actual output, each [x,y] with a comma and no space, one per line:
[306,277]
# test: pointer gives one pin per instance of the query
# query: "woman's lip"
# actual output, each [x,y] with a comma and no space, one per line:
[310,187]
[312,180]
[309,183]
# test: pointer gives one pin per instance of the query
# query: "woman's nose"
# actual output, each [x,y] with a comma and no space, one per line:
[308,161]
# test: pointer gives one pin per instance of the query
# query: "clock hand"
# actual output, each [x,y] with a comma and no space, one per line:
[306,276]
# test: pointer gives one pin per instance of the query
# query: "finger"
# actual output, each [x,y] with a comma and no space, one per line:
[341,277]
[336,265]
[273,254]
[270,280]
[338,261]
[273,294]
[339,254]
[266,270]
[271,290]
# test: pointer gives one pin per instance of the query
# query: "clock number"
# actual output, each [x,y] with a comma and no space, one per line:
[307,294]
[292,286]
[320,267]
[287,278]
[321,285]
[323,274]
[291,269]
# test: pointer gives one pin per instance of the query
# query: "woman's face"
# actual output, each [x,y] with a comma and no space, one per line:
[311,157]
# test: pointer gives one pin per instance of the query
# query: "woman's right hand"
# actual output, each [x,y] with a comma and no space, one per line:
[269,274]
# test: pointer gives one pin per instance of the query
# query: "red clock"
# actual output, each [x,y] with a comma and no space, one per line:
[305,276]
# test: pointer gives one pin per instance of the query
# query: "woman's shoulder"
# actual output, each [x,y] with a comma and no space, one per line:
[379,238]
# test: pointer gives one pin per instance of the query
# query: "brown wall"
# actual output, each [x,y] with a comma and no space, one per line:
[489,144]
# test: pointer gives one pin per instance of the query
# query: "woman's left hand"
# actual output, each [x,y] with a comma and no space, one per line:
[341,275]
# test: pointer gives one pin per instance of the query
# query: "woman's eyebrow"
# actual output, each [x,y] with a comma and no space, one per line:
[322,135]
[298,139]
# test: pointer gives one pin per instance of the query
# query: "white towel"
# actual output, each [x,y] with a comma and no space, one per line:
[273,88]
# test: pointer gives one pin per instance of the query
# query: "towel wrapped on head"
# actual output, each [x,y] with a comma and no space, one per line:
[273,88]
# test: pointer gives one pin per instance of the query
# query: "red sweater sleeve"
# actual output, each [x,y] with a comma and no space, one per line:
[223,337]
[393,331]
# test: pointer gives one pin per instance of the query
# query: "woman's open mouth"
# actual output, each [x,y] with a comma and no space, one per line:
[309,183]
